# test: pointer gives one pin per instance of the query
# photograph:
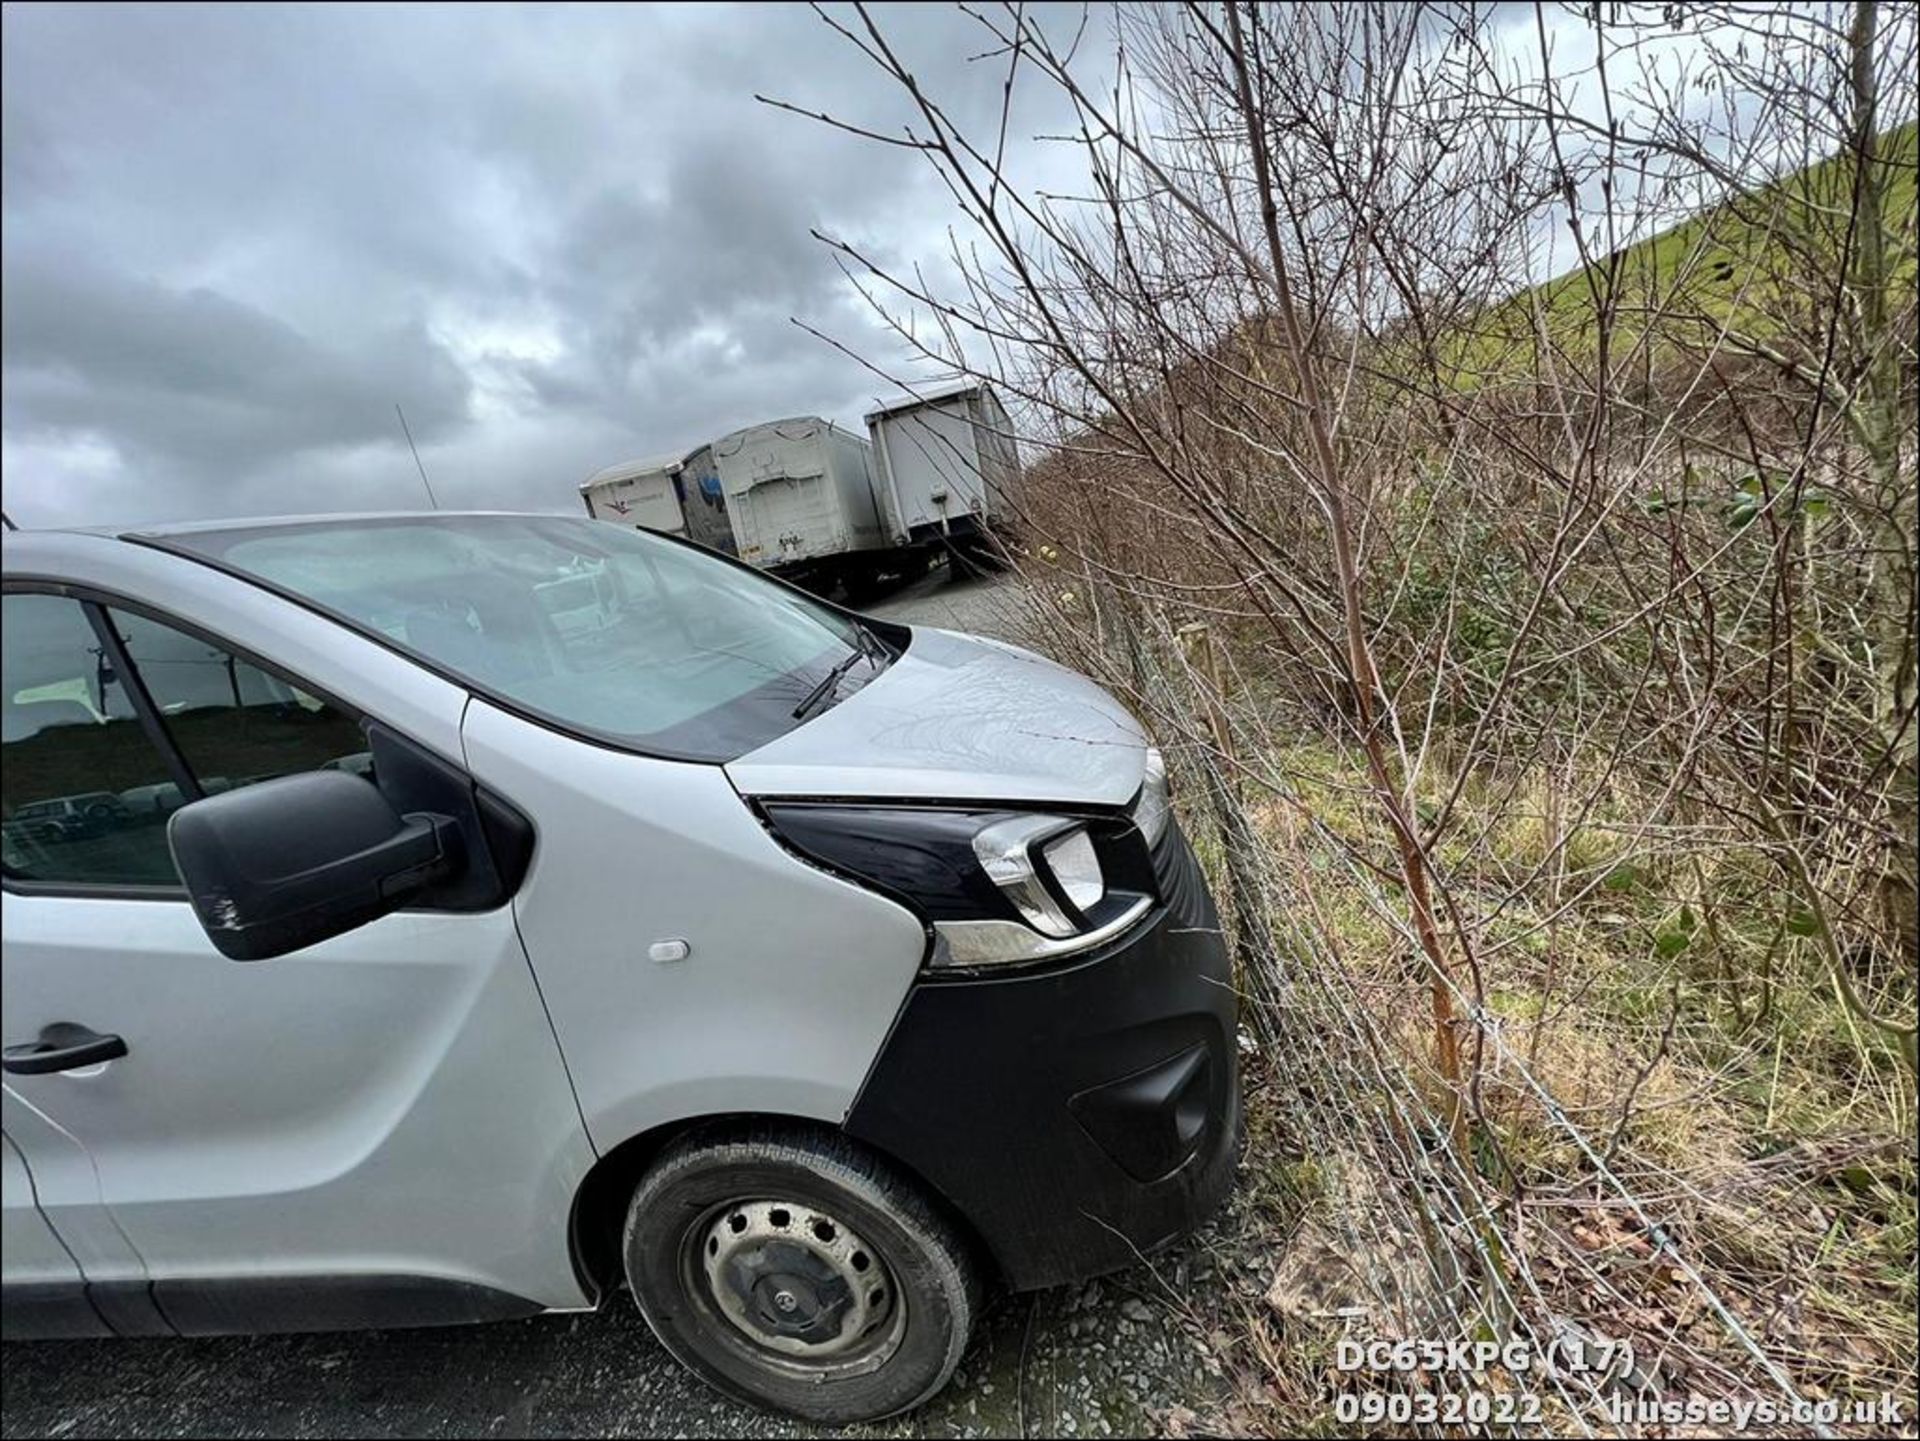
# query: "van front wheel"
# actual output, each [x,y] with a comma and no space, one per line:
[793,1270]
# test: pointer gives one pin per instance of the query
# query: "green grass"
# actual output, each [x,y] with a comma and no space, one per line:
[1749,268]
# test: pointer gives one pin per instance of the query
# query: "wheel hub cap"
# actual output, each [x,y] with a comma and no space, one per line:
[796,1280]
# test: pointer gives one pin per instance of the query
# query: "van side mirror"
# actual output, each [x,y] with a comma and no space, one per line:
[285,863]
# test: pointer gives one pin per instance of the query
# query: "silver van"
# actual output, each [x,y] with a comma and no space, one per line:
[576,908]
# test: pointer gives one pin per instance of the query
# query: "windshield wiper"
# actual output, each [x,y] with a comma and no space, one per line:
[867,646]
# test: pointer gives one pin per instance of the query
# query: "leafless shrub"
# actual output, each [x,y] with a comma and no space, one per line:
[1541,656]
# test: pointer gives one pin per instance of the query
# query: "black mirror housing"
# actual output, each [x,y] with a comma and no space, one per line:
[283,864]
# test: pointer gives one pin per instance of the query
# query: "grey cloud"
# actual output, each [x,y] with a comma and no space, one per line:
[235,236]
[195,376]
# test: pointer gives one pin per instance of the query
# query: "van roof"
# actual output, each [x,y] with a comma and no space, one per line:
[25,535]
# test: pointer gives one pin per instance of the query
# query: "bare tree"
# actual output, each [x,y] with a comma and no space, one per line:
[1540,636]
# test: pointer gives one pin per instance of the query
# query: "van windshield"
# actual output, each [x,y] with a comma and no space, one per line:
[604,630]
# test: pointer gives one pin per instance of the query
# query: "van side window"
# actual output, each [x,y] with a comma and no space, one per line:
[234,722]
[83,794]
[86,793]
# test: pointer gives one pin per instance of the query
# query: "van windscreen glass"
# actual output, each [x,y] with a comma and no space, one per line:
[604,630]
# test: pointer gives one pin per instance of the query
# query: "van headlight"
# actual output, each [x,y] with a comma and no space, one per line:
[1022,854]
[995,887]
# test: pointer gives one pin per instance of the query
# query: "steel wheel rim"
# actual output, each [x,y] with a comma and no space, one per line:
[794,1287]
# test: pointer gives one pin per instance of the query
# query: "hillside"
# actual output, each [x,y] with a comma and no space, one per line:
[1742,269]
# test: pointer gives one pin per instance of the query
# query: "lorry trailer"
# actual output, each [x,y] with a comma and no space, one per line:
[944,463]
[800,495]
[674,494]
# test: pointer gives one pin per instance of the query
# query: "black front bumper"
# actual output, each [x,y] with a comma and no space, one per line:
[1081,1116]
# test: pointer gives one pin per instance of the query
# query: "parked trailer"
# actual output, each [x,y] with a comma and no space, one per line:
[704,502]
[800,495]
[944,462]
[677,494]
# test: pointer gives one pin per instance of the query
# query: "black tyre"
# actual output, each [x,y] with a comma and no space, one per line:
[793,1270]
[976,556]
[862,584]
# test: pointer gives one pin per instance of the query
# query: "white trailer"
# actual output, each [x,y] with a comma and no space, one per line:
[800,495]
[677,494]
[944,463]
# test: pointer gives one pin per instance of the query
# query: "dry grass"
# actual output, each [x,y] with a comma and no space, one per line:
[1774,1148]
[1654,1045]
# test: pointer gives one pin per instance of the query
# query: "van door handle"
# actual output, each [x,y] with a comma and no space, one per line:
[63,1046]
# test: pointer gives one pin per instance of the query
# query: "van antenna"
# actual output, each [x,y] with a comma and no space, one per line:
[416,455]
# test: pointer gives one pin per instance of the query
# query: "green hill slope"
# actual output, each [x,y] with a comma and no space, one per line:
[1758,267]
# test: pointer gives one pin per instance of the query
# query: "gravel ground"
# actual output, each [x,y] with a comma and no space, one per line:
[1106,1359]
[989,606]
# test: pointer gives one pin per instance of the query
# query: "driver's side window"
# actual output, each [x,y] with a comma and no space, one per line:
[78,775]
[85,787]
[233,722]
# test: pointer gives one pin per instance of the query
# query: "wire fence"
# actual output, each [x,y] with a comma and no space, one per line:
[1577,1302]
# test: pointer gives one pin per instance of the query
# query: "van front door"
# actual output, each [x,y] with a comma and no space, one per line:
[378,1129]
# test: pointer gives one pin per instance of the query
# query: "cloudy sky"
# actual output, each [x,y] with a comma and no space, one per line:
[235,237]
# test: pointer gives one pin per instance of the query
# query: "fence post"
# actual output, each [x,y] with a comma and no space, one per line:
[1203,658]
